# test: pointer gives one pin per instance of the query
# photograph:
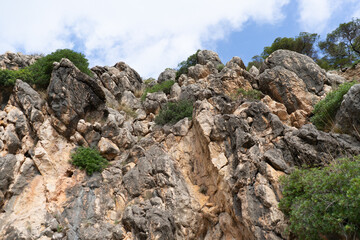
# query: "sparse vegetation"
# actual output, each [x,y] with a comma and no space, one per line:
[8,77]
[257,61]
[220,67]
[325,110]
[160,87]
[324,201]
[148,81]
[43,67]
[249,94]
[39,73]
[88,159]
[184,65]
[173,112]
[128,110]
[59,228]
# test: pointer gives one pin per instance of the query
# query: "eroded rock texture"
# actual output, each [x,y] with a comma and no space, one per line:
[215,176]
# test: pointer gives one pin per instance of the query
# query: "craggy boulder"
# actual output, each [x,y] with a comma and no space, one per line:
[303,66]
[348,116]
[73,95]
[286,87]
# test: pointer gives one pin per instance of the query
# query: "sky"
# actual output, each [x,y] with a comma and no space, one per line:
[153,35]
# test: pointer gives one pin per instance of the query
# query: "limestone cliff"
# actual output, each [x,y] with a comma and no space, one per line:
[215,176]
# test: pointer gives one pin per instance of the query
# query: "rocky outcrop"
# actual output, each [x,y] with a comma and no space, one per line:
[254,71]
[73,95]
[303,66]
[351,74]
[347,118]
[16,61]
[167,74]
[212,176]
[286,87]
[117,79]
[208,58]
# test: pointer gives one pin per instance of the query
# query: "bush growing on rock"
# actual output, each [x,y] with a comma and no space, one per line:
[39,73]
[43,67]
[174,111]
[88,159]
[220,67]
[184,65]
[160,87]
[325,110]
[324,201]
[8,77]
[252,94]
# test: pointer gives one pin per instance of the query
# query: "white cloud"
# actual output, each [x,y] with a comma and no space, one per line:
[316,15]
[148,35]
[356,13]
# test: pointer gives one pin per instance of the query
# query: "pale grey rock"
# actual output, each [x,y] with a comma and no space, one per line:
[303,66]
[334,79]
[7,166]
[108,149]
[130,100]
[205,56]
[140,114]
[347,118]
[182,127]
[154,101]
[73,95]
[16,61]
[119,78]
[198,71]
[254,71]
[140,128]
[167,74]
[175,91]
[83,127]
[13,142]
[286,87]
[235,62]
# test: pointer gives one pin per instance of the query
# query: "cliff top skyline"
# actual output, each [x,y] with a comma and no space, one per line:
[151,36]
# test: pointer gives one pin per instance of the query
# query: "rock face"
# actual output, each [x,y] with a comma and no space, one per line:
[73,94]
[212,176]
[15,61]
[347,118]
[286,87]
[168,74]
[118,78]
[294,80]
[303,66]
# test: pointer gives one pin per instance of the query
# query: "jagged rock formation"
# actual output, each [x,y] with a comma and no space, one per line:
[213,177]
[15,61]
[168,74]
[347,118]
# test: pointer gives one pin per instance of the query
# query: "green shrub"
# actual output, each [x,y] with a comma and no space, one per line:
[220,67]
[174,111]
[149,81]
[43,67]
[250,94]
[160,87]
[353,65]
[184,65]
[39,73]
[325,110]
[8,77]
[88,159]
[324,200]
